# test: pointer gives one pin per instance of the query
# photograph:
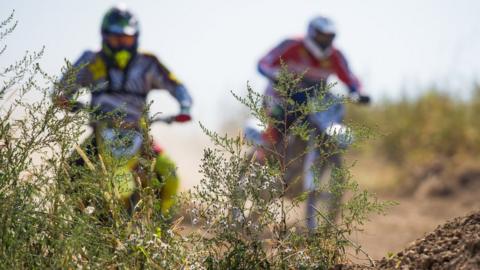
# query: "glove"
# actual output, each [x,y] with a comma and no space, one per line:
[184,115]
[358,98]
[68,105]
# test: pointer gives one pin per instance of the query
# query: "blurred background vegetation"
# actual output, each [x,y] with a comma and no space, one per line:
[435,133]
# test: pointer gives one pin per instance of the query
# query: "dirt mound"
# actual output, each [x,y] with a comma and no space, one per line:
[454,245]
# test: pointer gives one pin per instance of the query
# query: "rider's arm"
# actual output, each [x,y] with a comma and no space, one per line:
[270,65]
[73,79]
[343,72]
[164,79]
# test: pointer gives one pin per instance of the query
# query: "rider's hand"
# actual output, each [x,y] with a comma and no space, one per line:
[359,98]
[184,115]
[66,104]
[61,101]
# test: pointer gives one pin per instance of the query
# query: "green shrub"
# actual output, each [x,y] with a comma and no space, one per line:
[45,221]
[246,218]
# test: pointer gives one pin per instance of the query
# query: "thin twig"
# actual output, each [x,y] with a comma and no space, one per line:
[102,163]
[355,245]
[176,223]
[84,157]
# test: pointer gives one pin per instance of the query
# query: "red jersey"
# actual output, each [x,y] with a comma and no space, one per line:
[296,55]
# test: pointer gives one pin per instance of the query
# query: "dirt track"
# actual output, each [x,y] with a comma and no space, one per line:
[410,220]
[434,202]
[455,245]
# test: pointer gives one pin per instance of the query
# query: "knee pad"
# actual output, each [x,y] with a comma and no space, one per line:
[165,169]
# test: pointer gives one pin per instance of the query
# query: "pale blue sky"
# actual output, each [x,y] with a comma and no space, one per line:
[213,45]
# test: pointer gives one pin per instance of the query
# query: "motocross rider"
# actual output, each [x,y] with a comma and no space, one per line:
[316,57]
[121,78]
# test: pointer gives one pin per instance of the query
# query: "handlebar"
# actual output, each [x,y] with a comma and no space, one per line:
[360,99]
[165,119]
[179,118]
[364,99]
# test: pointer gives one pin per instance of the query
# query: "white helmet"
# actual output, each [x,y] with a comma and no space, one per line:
[320,35]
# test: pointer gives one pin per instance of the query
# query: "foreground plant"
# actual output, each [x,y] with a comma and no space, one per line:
[55,214]
[248,218]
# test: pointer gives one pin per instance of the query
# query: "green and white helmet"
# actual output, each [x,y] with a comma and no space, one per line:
[120,32]
[120,21]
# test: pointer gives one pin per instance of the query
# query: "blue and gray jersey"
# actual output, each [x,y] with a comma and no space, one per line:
[125,91]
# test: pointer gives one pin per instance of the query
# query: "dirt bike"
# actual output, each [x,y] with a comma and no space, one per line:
[130,161]
[313,165]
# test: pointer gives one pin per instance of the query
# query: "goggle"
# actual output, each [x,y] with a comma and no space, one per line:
[324,38]
[118,41]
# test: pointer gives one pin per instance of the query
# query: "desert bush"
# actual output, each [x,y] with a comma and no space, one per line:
[246,219]
[56,215]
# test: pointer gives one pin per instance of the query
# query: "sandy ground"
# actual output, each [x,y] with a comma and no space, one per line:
[417,213]
[411,219]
